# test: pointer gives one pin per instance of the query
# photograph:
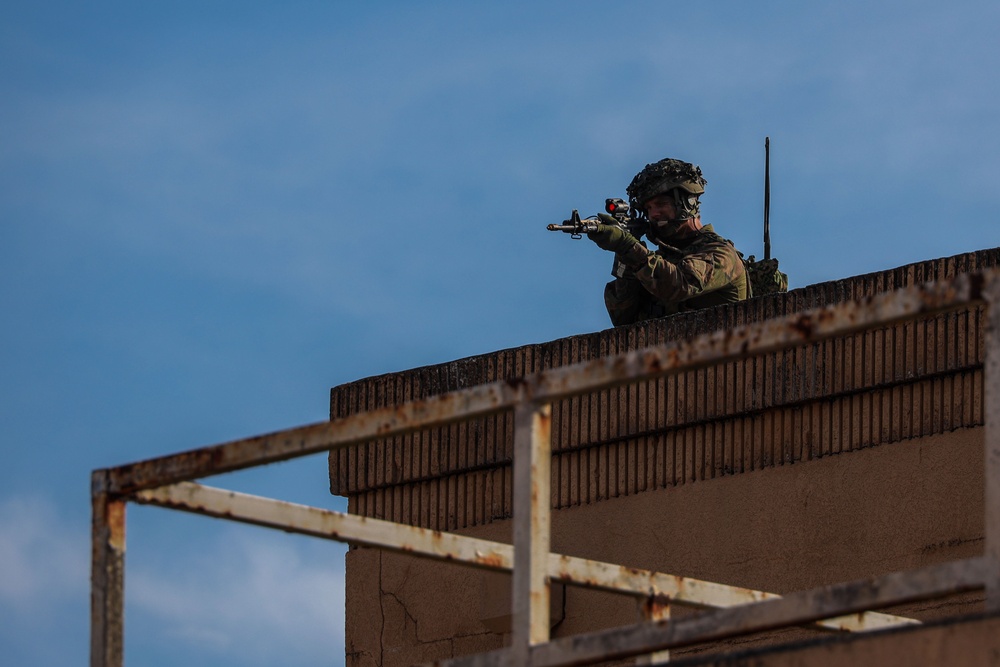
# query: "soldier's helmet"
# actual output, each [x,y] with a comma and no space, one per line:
[683,178]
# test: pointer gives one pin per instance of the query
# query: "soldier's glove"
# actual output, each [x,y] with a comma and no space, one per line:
[628,250]
[610,236]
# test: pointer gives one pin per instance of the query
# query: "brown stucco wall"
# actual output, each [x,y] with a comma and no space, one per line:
[829,462]
[795,527]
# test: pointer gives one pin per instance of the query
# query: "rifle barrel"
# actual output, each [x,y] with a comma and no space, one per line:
[584,227]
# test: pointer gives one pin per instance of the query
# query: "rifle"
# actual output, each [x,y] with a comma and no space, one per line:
[617,208]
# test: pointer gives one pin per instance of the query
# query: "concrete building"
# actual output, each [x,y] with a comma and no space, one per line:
[832,461]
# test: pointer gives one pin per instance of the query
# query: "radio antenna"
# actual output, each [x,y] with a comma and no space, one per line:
[767,197]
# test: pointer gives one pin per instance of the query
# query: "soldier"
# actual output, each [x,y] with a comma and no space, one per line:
[692,267]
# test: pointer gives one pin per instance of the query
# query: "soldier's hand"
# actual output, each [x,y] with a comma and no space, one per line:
[610,236]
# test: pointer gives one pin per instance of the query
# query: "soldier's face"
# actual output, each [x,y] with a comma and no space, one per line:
[661,208]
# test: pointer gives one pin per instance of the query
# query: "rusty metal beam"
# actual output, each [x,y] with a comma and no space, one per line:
[991,400]
[313,438]
[806,327]
[532,528]
[316,522]
[107,576]
[693,592]
[793,609]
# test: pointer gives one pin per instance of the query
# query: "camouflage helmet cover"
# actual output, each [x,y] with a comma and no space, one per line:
[663,176]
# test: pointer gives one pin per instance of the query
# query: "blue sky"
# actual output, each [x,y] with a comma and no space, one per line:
[212,212]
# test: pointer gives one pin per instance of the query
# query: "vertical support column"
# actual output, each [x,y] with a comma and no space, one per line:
[655,608]
[107,575]
[532,529]
[991,400]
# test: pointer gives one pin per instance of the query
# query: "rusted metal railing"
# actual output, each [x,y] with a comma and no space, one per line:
[168,482]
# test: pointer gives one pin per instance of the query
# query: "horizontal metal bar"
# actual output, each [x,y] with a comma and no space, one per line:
[312,438]
[793,609]
[692,592]
[316,522]
[305,520]
[557,383]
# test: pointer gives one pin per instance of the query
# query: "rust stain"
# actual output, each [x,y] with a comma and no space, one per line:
[804,325]
[492,559]
[655,605]
[127,478]
[115,514]
[651,360]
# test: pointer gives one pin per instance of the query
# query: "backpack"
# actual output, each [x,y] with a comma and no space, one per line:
[764,276]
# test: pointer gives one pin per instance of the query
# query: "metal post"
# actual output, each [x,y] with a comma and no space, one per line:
[991,400]
[655,608]
[107,576]
[532,508]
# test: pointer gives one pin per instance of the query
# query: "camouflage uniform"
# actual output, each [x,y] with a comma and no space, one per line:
[700,271]
[693,266]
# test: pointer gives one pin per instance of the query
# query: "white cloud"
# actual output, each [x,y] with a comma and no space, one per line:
[42,559]
[248,595]
[245,597]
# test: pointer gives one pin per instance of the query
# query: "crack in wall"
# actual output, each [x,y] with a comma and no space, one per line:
[388,632]
[411,617]
[950,544]
[354,657]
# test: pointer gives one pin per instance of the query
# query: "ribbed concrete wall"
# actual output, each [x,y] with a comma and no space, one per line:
[869,389]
